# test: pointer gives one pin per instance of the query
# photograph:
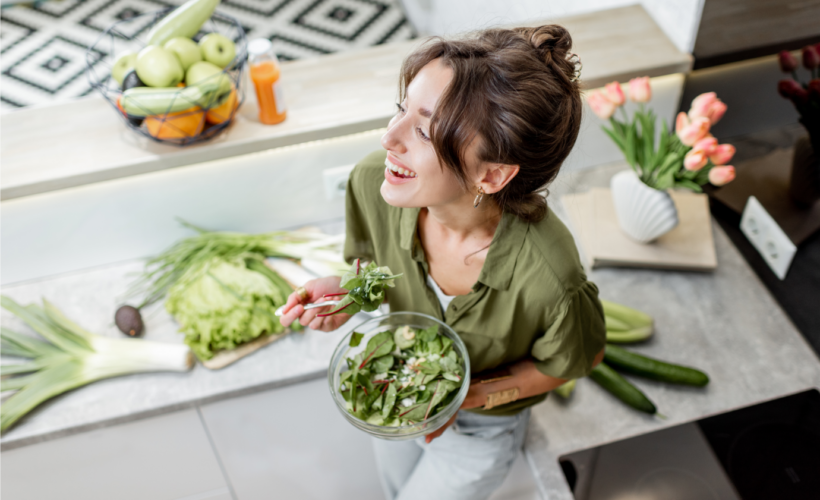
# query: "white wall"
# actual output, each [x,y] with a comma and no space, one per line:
[678,18]
[133,217]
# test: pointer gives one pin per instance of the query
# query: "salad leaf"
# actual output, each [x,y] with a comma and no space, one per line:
[399,378]
[356,339]
[222,303]
[366,288]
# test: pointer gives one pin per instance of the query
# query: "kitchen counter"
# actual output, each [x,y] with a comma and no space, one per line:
[725,323]
[327,97]
[91,298]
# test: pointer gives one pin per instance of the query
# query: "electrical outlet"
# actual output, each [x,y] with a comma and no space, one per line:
[335,180]
[767,237]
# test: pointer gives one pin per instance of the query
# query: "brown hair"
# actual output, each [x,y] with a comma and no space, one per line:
[517,90]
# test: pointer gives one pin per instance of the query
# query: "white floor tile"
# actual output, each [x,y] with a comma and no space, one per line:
[292,443]
[162,458]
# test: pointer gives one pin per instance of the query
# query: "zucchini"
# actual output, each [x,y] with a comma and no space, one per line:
[184,21]
[147,101]
[619,387]
[628,336]
[565,390]
[624,324]
[652,368]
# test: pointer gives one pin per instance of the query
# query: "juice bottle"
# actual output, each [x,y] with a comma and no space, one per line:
[264,72]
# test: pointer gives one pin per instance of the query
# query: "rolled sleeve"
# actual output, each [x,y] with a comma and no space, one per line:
[576,335]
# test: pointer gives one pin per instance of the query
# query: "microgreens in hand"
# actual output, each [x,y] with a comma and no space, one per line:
[366,286]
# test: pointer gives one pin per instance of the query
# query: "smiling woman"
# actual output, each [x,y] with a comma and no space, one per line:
[456,205]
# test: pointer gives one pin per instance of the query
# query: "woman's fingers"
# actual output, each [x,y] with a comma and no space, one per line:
[291,315]
[433,435]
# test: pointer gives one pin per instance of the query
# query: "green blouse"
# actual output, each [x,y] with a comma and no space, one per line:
[531,301]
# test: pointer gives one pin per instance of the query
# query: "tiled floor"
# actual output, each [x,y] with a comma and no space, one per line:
[288,443]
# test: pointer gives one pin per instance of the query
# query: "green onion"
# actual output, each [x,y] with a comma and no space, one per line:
[71,357]
[166,269]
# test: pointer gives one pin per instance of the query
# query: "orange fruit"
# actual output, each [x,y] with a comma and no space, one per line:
[223,112]
[179,125]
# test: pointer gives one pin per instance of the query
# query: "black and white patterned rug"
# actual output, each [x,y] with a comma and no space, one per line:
[43,46]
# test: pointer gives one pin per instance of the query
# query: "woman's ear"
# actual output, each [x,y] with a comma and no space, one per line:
[497,176]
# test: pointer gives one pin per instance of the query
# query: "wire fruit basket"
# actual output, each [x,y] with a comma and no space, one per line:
[200,119]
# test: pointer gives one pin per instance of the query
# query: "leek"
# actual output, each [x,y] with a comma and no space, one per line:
[69,358]
[164,270]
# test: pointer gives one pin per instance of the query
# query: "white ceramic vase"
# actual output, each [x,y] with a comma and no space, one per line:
[644,213]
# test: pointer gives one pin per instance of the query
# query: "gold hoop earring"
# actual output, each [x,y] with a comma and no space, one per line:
[478,198]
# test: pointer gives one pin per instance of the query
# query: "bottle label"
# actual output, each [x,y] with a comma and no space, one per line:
[279,98]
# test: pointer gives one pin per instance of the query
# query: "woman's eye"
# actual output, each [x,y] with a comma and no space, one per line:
[401,108]
[423,136]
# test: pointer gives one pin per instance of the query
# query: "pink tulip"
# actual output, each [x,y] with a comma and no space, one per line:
[613,92]
[690,132]
[719,176]
[695,160]
[814,89]
[792,90]
[811,58]
[601,106]
[787,61]
[722,154]
[639,89]
[707,145]
[709,106]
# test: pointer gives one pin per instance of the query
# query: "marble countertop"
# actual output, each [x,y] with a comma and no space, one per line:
[327,97]
[91,298]
[725,323]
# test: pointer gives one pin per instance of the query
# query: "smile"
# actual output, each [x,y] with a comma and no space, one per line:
[399,172]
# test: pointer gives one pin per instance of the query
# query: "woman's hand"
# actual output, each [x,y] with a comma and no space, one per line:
[316,290]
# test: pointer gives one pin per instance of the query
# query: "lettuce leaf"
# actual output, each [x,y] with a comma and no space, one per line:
[221,304]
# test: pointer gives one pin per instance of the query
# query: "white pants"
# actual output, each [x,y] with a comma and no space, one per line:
[469,461]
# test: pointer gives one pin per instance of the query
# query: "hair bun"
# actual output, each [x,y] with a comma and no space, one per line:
[552,40]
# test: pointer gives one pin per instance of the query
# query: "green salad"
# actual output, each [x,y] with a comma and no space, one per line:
[402,377]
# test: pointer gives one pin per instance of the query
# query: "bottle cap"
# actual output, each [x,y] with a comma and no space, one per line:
[259,46]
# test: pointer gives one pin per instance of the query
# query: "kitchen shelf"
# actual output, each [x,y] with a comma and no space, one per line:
[52,147]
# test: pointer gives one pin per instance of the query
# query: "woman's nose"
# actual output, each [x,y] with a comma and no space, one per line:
[391,140]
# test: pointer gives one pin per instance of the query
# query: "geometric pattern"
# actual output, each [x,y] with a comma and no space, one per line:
[44,45]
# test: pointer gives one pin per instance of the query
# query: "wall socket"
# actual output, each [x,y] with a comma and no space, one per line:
[335,180]
[767,237]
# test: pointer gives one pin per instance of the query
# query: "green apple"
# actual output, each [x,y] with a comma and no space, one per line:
[211,79]
[124,64]
[185,49]
[217,49]
[158,67]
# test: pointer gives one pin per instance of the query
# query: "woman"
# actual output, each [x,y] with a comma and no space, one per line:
[455,203]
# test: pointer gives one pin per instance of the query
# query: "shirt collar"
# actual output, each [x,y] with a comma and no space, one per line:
[501,257]
[503,253]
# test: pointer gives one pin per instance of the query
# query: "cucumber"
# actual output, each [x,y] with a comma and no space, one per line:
[183,21]
[146,101]
[618,386]
[653,368]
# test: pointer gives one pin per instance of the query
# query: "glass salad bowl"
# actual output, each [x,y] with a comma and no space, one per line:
[389,322]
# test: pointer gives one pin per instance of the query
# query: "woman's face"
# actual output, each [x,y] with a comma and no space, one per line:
[414,176]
